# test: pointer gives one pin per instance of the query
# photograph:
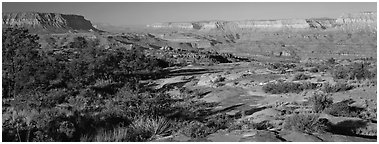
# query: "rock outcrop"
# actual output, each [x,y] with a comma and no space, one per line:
[364,17]
[47,22]
[365,20]
[361,20]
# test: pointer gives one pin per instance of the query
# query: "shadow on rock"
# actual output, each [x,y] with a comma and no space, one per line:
[186,72]
[350,128]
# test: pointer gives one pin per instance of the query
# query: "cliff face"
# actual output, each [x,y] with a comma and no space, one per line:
[321,23]
[47,21]
[365,17]
[365,20]
[361,20]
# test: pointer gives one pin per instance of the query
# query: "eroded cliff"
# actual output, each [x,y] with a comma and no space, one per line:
[53,22]
[366,20]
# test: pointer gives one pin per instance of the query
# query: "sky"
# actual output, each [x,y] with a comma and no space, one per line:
[133,13]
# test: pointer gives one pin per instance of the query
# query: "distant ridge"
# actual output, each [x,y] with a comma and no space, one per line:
[48,22]
[357,20]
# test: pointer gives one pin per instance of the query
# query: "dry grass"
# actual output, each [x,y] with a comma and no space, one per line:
[117,135]
[142,129]
[151,127]
[308,123]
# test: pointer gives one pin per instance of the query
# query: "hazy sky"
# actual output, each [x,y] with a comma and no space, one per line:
[130,13]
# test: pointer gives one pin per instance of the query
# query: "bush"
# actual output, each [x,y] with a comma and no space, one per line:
[342,109]
[341,72]
[263,125]
[338,87]
[205,126]
[120,134]
[322,68]
[219,121]
[287,87]
[20,61]
[196,129]
[146,128]
[318,68]
[308,123]
[313,70]
[320,101]
[308,85]
[301,76]
[281,66]
[299,69]
[353,71]
[330,61]
[18,125]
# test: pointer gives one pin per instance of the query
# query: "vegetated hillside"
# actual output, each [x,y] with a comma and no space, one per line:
[179,85]
[81,90]
[47,22]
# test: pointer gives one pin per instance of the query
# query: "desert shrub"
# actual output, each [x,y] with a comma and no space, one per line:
[307,85]
[313,70]
[287,87]
[78,42]
[370,82]
[342,86]
[310,64]
[338,87]
[120,134]
[320,80]
[20,61]
[322,68]
[247,124]
[330,61]
[263,125]
[353,71]
[46,125]
[18,125]
[318,68]
[360,71]
[54,97]
[146,128]
[320,101]
[299,69]
[308,123]
[301,76]
[202,127]
[196,129]
[281,66]
[219,121]
[57,125]
[342,109]
[340,72]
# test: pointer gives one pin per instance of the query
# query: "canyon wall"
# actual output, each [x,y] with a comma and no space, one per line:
[47,21]
[365,20]
[359,20]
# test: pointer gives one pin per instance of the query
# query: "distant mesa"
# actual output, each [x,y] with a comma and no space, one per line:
[359,20]
[48,22]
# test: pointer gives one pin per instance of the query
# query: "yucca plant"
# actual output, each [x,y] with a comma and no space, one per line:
[147,128]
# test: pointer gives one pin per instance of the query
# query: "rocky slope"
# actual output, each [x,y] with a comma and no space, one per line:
[47,22]
[360,20]
[348,36]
